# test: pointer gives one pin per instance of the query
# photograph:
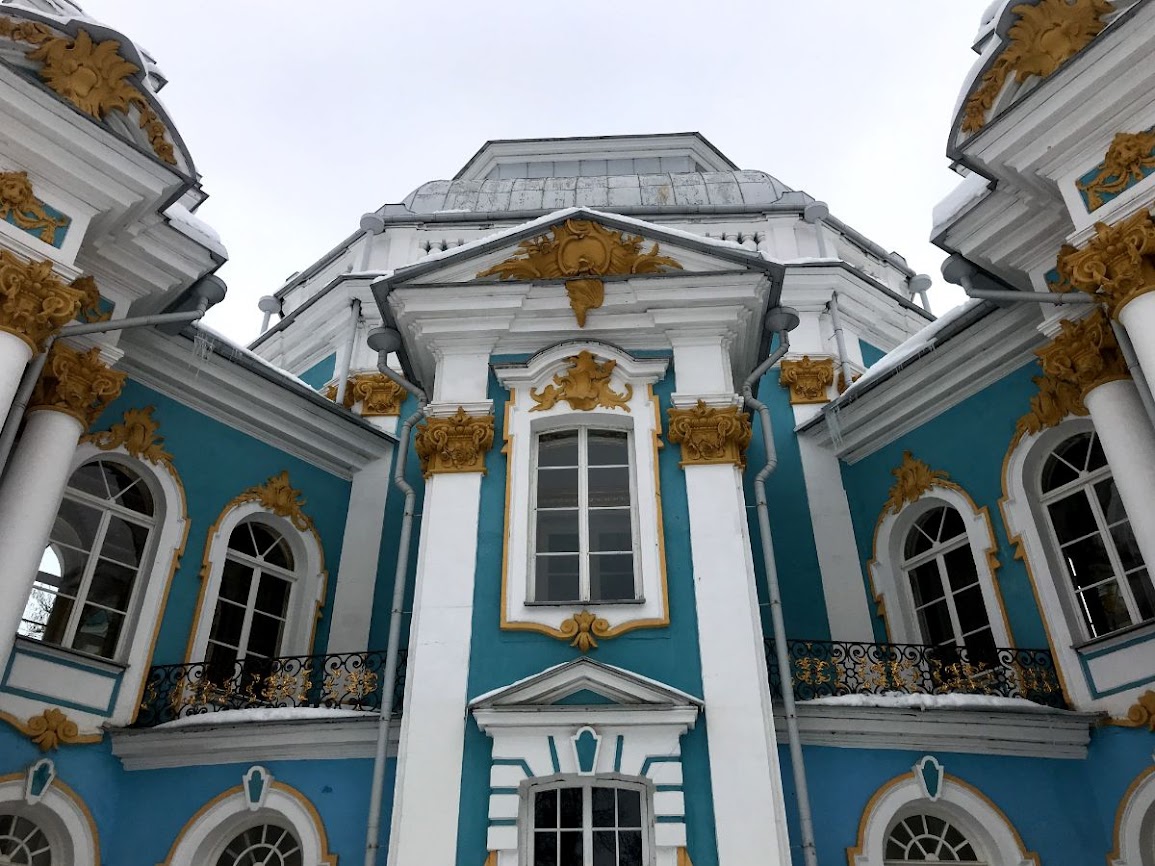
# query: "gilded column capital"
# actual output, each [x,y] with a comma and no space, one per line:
[710,435]
[807,379]
[1117,265]
[378,395]
[1084,354]
[454,444]
[34,302]
[76,383]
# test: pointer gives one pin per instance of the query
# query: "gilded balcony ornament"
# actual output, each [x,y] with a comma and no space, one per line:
[1141,714]
[1084,355]
[1117,265]
[50,729]
[807,379]
[34,302]
[92,76]
[1129,159]
[280,497]
[378,395]
[20,207]
[710,435]
[90,304]
[78,384]
[913,478]
[584,627]
[1044,37]
[136,433]
[581,252]
[585,385]
[454,444]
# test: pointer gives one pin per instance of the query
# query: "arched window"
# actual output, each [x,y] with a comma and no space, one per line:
[924,838]
[262,845]
[23,843]
[1092,535]
[99,549]
[57,830]
[588,824]
[944,582]
[583,513]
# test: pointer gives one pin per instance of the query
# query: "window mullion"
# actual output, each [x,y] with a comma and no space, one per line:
[948,595]
[247,622]
[583,514]
[587,825]
[1113,554]
[86,578]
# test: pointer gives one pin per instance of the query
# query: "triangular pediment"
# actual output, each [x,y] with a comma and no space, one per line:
[584,682]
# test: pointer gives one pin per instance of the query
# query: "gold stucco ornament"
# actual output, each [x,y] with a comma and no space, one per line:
[710,435]
[454,444]
[581,252]
[21,206]
[1084,354]
[1043,38]
[1141,714]
[378,395]
[582,627]
[913,478]
[1129,158]
[807,379]
[136,433]
[585,385]
[1055,400]
[34,302]
[78,384]
[280,497]
[1117,265]
[90,309]
[51,728]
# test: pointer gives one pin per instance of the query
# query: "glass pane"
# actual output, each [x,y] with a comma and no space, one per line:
[1109,499]
[952,525]
[972,612]
[1104,609]
[90,479]
[242,540]
[609,487]
[111,585]
[545,809]
[611,531]
[227,623]
[556,578]
[605,848]
[612,577]
[125,542]
[603,807]
[571,849]
[917,540]
[926,583]
[1073,454]
[1072,516]
[1087,561]
[570,807]
[960,567]
[273,595]
[1144,594]
[981,649]
[127,488]
[557,531]
[235,580]
[558,449]
[280,554]
[557,488]
[609,449]
[630,848]
[936,625]
[265,635]
[629,808]
[544,849]
[76,524]
[1126,546]
[1096,459]
[98,631]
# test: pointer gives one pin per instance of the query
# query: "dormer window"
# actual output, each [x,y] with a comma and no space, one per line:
[583,518]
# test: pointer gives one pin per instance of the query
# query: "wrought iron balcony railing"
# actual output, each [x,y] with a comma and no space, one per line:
[351,681]
[828,668]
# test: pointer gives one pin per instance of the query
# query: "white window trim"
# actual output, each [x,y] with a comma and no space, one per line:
[61,815]
[993,837]
[888,577]
[1136,809]
[521,428]
[568,780]
[307,595]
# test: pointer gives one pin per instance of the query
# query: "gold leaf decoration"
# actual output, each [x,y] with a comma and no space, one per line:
[807,379]
[378,395]
[1055,400]
[912,479]
[454,444]
[582,627]
[20,206]
[136,433]
[1084,355]
[50,729]
[78,384]
[581,252]
[278,496]
[1043,38]
[1141,714]
[585,385]
[34,302]
[90,301]
[710,435]
[1117,265]
[1129,159]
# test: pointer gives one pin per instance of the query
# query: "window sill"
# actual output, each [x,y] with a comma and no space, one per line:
[64,654]
[1117,639]
[591,604]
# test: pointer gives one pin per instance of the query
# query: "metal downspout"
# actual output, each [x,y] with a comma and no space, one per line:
[839,342]
[392,652]
[347,352]
[778,625]
[1142,384]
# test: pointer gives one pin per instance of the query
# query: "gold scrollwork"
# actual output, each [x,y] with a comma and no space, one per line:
[1116,266]
[1129,159]
[34,302]
[913,478]
[710,435]
[20,206]
[52,728]
[90,309]
[78,384]
[136,432]
[378,395]
[1141,714]
[581,252]
[807,379]
[1084,355]
[583,627]
[585,385]
[454,444]
[280,497]
[1043,38]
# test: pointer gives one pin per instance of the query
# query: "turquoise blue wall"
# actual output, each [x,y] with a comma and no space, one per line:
[969,441]
[321,372]
[871,355]
[215,463]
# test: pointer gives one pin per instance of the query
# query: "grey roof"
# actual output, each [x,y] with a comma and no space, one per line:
[673,190]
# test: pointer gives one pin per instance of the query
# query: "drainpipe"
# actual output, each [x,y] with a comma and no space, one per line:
[780,320]
[384,341]
[1137,374]
[839,342]
[919,285]
[209,291]
[347,352]
[268,305]
[372,224]
[814,213]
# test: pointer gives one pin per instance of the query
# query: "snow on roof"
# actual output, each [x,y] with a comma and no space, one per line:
[239,350]
[973,189]
[955,701]
[267,714]
[191,226]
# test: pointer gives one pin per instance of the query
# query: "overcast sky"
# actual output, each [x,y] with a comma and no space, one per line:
[302,116]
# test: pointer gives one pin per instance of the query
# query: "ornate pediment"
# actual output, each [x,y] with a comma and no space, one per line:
[588,680]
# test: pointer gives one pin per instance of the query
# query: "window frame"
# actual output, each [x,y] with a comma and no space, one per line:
[584,428]
[531,787]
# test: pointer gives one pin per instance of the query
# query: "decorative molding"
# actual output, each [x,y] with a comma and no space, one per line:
[1044,37]
[1116,266]
[1140,715]
[1056,400]
[378,395]
[255,785]
[928,772]
[1084,355]
[136,433]
[78,384]
[34,302]
[92,76]
[585,386]
[581,252]
[90,303]
[913,478]
[807,379]
[710,435]
[1129,159]
[583,627]
[281,498]
[454,444]
[51,729]
[40,776]
[20,207]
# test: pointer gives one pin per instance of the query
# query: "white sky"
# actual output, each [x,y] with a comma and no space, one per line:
[302,116]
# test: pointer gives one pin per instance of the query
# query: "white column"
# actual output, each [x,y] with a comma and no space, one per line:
[749,812]
[1128,440]
[29,499]
[1138,317]
[15,353]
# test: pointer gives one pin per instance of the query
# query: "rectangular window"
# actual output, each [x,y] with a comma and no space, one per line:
[583,518]
[590,825]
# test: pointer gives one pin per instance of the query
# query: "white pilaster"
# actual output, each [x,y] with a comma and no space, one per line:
[1138,317]
[1128,440]
[15,354]
[29,499]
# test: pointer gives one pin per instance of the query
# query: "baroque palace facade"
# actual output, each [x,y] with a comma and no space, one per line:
[604,505]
